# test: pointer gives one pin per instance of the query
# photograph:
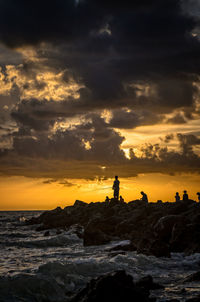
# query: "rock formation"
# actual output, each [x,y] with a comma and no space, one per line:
[152,228]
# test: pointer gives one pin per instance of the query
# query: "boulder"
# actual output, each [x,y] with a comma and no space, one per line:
[163,228]
[185,238]
[148,283]
[159,248]
[153,228]
[95,237]
[193,277]
[194,299]
[113,287]
[80,203]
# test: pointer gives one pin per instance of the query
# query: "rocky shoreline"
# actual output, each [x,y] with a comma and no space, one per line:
[152,228]
[117,286]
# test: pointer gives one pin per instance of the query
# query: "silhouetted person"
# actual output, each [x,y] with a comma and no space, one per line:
[144,196]
[185,196]
[107,199]
[116,187]
[177,197]
[198,194]
[121,199]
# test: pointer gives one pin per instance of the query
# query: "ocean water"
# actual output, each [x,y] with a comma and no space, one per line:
[38,268]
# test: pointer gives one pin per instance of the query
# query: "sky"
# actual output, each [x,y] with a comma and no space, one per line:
[91,89]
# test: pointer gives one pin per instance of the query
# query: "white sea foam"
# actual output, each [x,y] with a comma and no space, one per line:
[37,268]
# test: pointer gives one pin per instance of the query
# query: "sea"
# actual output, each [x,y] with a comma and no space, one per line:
[51,268]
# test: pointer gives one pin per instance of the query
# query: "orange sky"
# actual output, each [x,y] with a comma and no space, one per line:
[117,98]
[20,193]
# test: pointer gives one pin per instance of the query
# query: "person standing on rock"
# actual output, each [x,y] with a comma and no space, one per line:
[116,187]
[144,196]
[177,197]
[198,194]
[185,196]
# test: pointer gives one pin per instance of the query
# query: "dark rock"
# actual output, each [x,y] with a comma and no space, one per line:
[95,237]
[185,237]
[164,226]
[157,248]
[113,287]
[192,278]
[152,228]
[80,203]
[78,230]
[194,299]
[160,249]
[46,233]
[137,202]
[148,283]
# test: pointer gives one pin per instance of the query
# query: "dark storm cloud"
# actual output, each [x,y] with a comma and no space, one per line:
[69,159]
[162,159]
[108,44]
[28,114]
[29,22]
[103,143]
[41,115]
[138,55]
[187,142]
[130,119]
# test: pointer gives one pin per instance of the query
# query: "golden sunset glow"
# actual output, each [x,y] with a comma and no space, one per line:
[21,193]
[80,105]
[46,84]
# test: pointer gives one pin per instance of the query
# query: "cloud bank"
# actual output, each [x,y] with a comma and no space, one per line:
[82,71]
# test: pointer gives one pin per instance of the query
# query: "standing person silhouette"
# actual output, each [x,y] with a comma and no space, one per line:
[116,187]
[177,197]
[198,194]
[185,196]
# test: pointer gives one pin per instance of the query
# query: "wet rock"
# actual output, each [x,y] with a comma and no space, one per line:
[159,249]
[164,226]
[113,287]
[148,283]
[126,247]
[153,228]
[77,229]
[151,246]
[113,254]
[193,277]
[95,237]
[47,233]
[194,299]
[185,237]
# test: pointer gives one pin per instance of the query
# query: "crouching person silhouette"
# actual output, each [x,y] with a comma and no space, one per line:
[144,197]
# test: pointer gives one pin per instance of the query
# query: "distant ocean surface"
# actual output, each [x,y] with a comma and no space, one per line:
[38,268]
